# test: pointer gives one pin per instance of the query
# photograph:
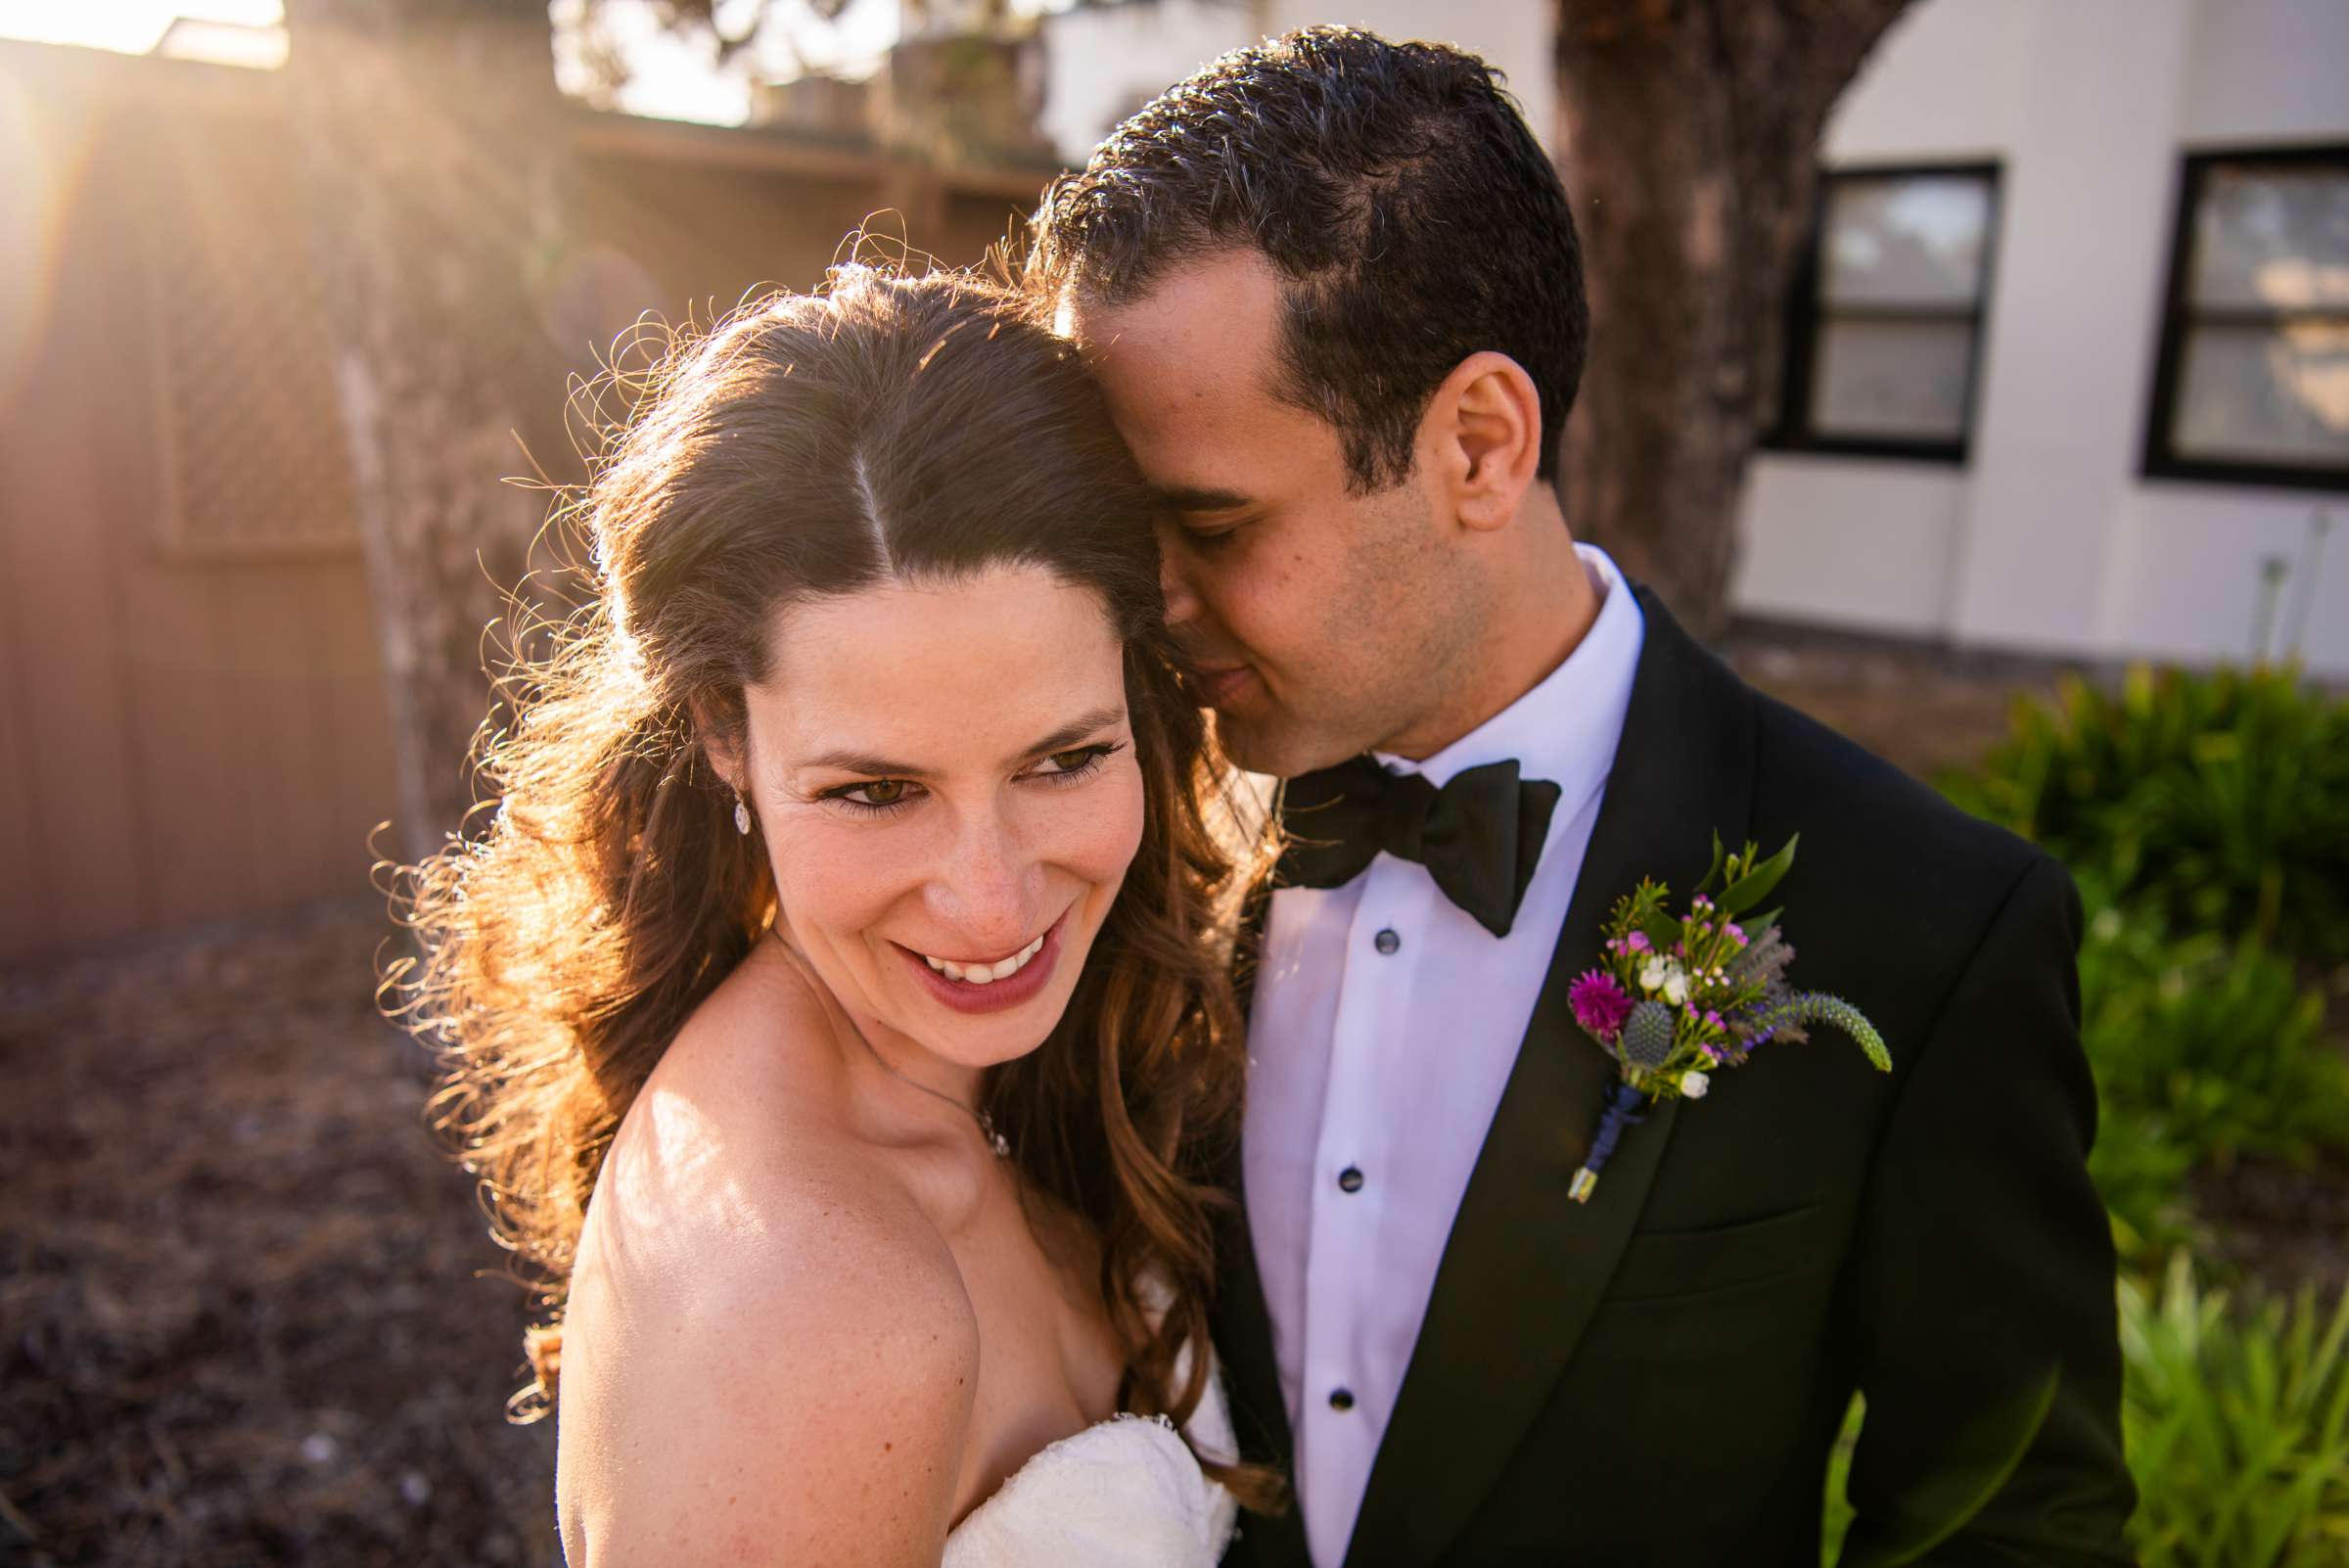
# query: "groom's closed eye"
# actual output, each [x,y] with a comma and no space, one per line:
[1206,536]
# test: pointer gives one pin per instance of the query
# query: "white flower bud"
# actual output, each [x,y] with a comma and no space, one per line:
[1694,1084]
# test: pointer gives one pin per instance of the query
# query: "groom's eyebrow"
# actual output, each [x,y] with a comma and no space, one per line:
[1193,498]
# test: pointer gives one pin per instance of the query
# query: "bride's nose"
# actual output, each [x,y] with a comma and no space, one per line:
[984,889]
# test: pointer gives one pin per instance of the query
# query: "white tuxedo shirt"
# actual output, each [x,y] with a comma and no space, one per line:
[1384,1026]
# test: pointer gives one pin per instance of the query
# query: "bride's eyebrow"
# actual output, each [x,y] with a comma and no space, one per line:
[1069,734]
[1060,740]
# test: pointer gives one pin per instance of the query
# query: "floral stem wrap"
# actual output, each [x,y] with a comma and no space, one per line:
[1622,1105]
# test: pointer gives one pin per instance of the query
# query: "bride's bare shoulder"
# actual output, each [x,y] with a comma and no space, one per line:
[768,1347]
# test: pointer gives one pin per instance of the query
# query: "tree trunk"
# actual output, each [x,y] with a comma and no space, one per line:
[1689,145]
[437,177]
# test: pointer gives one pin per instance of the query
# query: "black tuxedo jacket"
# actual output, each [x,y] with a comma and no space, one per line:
[1656,1377]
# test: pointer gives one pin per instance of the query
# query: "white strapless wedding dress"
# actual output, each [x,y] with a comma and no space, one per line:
[1126,1493]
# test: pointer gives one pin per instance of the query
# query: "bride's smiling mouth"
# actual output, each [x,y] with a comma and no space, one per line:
[984,985]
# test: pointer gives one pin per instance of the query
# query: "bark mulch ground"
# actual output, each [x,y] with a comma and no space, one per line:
[241,1317]
[248,1313]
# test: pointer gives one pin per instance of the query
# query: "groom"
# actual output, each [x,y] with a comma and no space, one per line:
[1333,289]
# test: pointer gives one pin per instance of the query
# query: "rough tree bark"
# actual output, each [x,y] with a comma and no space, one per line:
[1689,144]
[438,179]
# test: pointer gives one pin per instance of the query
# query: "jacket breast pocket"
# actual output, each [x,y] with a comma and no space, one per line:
[1664,1265]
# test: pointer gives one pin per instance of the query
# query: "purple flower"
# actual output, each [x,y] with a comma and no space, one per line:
[1600,1004]
[1714,1019]
[1736,932]
[1637,941]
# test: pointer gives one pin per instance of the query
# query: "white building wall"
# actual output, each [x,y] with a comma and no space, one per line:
[1513,35]
[2047,538]
[1102,62]
[1105,61]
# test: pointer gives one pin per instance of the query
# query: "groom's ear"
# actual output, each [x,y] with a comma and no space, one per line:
[1485,428]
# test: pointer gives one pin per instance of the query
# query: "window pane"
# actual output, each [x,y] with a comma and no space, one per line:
[1904,240]
[2270,237]
[2273,396]
[1898,379]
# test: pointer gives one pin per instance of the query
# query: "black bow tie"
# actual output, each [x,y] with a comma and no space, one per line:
[1479,836]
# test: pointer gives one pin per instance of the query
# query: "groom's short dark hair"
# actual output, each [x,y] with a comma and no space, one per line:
[1410,214]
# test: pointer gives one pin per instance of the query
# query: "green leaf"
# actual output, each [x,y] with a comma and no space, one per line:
[1753,887]
[1714,870]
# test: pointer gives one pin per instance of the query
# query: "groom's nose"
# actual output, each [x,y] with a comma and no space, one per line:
[1182,600]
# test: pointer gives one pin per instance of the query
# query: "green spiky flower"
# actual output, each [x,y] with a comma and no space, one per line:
[1818,1007]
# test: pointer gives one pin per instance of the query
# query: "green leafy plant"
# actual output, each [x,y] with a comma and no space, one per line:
[1835,1520]
[2236,1425]
[2223,798]
[2216,1039]
[2139,1170]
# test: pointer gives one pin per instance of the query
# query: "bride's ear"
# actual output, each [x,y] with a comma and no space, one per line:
[719,741]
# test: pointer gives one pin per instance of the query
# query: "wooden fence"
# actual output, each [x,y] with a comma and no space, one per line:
[191,713]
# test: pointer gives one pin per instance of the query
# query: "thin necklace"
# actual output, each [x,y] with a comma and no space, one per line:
[987,1126]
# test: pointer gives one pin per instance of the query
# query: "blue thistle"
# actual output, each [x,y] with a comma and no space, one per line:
[1647,1036]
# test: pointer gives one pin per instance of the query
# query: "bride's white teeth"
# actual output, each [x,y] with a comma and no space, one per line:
[985,974]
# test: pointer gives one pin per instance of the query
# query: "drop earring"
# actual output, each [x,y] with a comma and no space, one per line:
[742,815]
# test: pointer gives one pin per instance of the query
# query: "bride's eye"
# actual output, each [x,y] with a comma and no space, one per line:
[1082,763]
[874,795]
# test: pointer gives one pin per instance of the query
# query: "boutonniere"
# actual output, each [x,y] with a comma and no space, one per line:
[1675,1000]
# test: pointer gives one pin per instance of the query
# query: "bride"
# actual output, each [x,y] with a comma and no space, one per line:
[833,1005]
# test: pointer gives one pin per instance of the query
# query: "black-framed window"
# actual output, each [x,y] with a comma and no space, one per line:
[1884,319]
[2251,386]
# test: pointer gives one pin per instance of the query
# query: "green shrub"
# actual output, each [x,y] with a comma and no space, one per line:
[2203,1049]
[2139,1170]
[2237,1426]
[2223,797]
[2216,1038]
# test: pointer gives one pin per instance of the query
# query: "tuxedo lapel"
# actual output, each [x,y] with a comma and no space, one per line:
[1241,1325]
[1526,1266]
[1243,1336]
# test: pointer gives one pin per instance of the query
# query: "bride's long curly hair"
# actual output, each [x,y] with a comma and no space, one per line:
[884,428]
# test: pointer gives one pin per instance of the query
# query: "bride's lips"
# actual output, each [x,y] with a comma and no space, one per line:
[997,995]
